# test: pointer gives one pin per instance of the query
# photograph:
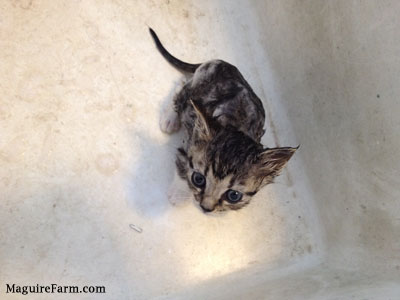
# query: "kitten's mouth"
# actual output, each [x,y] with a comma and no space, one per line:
[207,209]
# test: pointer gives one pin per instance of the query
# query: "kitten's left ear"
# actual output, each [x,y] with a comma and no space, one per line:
[201,125]
[274,159]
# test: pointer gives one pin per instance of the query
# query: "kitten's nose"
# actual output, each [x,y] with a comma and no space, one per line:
[206,209]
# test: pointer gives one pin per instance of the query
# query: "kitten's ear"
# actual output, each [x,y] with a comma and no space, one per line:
[201,125]
[273,160]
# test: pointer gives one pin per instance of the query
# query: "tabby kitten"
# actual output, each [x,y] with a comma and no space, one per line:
[222,159]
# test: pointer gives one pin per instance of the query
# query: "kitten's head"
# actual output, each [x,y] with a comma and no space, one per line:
[224,167]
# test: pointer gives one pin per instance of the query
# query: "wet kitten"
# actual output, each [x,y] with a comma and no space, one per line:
[221,159]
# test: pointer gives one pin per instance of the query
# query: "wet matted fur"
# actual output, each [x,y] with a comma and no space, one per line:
[221,159]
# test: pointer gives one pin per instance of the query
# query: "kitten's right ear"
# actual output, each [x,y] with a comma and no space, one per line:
[201,126]
[273,160]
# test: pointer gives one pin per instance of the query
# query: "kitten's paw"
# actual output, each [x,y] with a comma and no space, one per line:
[169,121]
[178,85]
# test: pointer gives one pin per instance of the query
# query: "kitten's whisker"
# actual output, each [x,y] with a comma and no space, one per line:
[180,197]
[180,191]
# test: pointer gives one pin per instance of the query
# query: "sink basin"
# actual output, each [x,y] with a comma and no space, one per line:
[85,169]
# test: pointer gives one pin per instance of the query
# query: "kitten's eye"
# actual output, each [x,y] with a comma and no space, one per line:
[233,196]
[198,180]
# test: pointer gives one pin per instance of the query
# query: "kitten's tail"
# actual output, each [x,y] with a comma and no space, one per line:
[180,65]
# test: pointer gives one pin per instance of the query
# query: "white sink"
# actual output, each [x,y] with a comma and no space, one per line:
[84,168]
